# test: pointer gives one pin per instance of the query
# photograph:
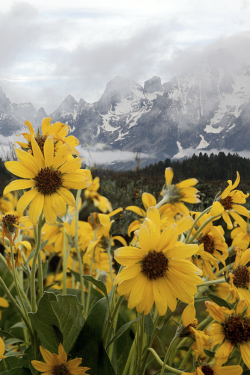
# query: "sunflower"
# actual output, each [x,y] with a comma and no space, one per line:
[56,364]
[232,329]
[212,247]
[181,192]
[230,202]
[157,271]
[239,279]
[49,176]
[216,369]
[58,131]
[99,201]
[10,224]
[241,236]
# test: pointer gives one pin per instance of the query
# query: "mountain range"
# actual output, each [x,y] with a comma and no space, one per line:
[207,107]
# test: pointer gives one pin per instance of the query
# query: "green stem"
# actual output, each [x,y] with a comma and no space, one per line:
[201,228]
[195,222]
[111,320]
[64,291]
[212,282]
[141,337]
[21,312]
[164,200]
[40,275]
[90,273]
[183,362]
[33,268]
[79,258]
[131,357]
[166,367]
[168,354]
[172,355]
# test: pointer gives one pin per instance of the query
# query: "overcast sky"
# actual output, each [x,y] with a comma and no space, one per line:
[51,48]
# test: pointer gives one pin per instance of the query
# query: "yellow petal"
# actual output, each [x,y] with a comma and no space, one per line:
[216,209]
[216,333]
[148,200]
[139,211]
[137,293]
[18,185]
[128,273]
[240,210]
[245,353]
[31,129]
[19,169]
[59,205]
[188,315]
[73,363]
[169,176]
[47,355]
[25,200]
[154,215]
[134,226]
[120,239]
[27,160]
[187,183]
[36,208]
[4,302]
[67,196]
[48,150]
[219,313]
[159,289]
[148,236]
[71,165]
[182,251]
[223,352]
[62,354]
[38,155]
[48,209]
[168,238]
[41,366]
[46,125]
[61,156]
[76,180]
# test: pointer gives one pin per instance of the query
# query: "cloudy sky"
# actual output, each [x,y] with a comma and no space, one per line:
[52,48]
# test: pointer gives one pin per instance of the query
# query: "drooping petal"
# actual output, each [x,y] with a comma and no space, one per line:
[245,353]
[188,315]
[25,200]
[139,211]
[148,200]
[36,208]
[219,313]
[217,209]
[134,226]
[240,210]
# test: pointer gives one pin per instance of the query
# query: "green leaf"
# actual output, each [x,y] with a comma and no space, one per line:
[246,372]
[30,256]
[43,244]
[12,340]
[77,275]
[148,326]
[99,284]
[186,348]
[5,333]
[163,348]
[200,299]
[209,353]
[58,317]
[218,300]
[11,362]
[46,288]
[17,371]
[122,330]
[88,345]
[19,325]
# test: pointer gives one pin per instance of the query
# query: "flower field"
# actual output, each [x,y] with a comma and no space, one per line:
[166,293]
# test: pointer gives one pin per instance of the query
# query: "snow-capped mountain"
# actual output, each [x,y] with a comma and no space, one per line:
[207,107]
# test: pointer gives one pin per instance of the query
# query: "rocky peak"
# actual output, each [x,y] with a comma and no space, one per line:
[152,85]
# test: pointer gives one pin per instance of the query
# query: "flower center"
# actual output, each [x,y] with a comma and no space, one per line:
[241,277]
[40,141]
[208,243]
[237,329]
[60,370]
[154,265]
[207,370]
[48,180]
[227,202]
[8,221]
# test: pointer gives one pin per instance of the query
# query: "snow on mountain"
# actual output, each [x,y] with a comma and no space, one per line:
[207,107]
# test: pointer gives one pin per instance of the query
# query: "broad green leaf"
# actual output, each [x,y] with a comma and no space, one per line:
[122,330]
[218,300]
[122,347]
[12,341]
[58,317]
[88,345]
[11,362]
[99,284]
[19,325]
[5,333]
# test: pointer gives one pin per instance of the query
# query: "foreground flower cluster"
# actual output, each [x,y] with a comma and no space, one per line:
[82,291]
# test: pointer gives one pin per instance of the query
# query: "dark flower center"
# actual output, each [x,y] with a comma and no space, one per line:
[237,329]
[227,202]
[40,141]
[208,243]
[207,370]
[8,221]
[48,180]
[241,277]
[154,265]
[60,370]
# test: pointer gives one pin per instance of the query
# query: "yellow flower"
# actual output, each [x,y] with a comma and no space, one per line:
[212,247]
[230,201]
[233,328]
[56,364]
[239,279]
[2,349]
[241,236]
[99,201]
[58,131]
[8,203]
[49,176]
[216,369]
[182,192]
[157,271]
